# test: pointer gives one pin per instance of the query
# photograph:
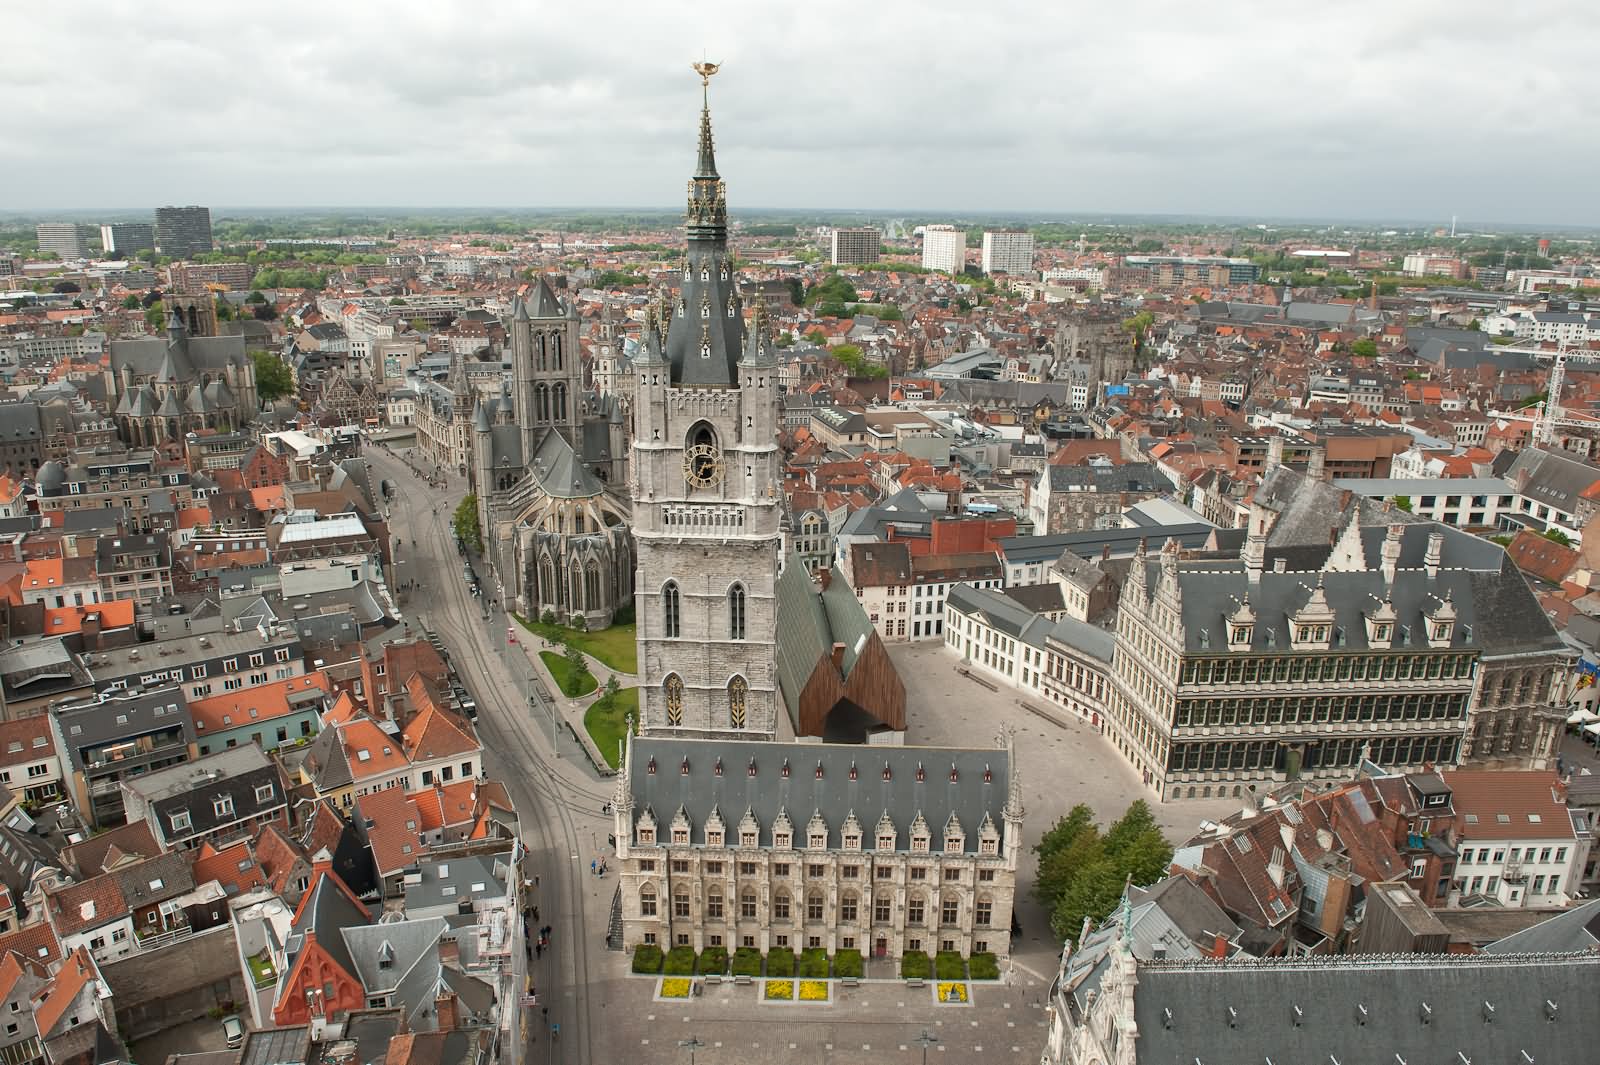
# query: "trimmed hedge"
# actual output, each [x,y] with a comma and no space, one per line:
[949,965]
[747,962]
[983,967]
[780,963]
[847,963]
[915,965]
[814,963]
[713,961]
[680,961]
[646,959]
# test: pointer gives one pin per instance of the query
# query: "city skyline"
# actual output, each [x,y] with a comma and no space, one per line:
[915,108]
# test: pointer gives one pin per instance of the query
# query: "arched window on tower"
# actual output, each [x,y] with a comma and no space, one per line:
[591,585]
[672,689]
[547,581]
[560,391]
[737,691]
[555,352]
[538,351]
[736,612]
[670,610]
[575,588]
[542,402]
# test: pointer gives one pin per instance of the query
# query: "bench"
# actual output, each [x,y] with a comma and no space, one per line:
[849,981]
[743,980]
[914,983]
[713,980]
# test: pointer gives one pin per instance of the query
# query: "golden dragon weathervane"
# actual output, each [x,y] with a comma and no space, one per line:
[705,70]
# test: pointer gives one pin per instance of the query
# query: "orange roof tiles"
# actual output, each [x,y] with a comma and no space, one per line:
[37,943]
[59,621]
[1509,804]
[26,739]
[235,868]
[370,751]
[260,703]
[394,829]
[268,498]
[61,993]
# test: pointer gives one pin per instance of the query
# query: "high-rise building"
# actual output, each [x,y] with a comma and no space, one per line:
[1008,251]
[126,238]
[707,493]
[944,248]
[183,232]
[66,240]
[856,244]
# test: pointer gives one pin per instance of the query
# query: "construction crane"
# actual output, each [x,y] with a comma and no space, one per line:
[1549,414]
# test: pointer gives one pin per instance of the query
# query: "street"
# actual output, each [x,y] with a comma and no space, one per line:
[557,795]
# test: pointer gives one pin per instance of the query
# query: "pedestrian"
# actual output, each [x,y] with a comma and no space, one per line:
[539,950]
[536,913]
[535,879]
[592,865]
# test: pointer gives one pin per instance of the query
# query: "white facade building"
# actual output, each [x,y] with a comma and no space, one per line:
[1008,251]
[944,248]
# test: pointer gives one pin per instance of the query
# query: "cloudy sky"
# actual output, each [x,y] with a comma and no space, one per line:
[1415,109]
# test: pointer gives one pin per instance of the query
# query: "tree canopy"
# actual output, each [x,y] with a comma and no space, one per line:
[1082,871]
[1365,348]
[273,379]
[465,523]
[835,288]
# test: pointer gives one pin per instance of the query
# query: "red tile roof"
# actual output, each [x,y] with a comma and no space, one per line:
[1509,804]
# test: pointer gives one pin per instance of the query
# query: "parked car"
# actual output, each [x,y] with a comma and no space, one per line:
[233,1028]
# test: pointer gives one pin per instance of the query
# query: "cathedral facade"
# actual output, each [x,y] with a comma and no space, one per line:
[166,387]
[706,492]
[548,460]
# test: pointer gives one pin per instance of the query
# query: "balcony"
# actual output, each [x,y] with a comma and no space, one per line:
[262,972]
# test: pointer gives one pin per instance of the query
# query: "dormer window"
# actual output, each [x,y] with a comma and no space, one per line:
[952,844]
[1380,632]
[713,837]
[680,836]
[747,838]
[852,842]
[886,843]
[1441,630]
[990,846]
[647,837]
[780,841]
[1240,634]
[223,807]
[818,841]
[919,844]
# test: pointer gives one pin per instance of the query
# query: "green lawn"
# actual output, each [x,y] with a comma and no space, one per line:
[607,725]
[617,646]
[559,669]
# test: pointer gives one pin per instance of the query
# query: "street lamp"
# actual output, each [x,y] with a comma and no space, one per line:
[927,1039]
[693,1043]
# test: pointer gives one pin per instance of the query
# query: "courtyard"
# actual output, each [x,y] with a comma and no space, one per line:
[1063,761]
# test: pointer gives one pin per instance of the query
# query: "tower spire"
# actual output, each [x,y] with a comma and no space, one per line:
[707,167]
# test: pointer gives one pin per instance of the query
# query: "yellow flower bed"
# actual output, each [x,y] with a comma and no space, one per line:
[813,991]
[780,990]
[674,988]
[952,992]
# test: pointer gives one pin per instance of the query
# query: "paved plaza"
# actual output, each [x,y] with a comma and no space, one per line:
[1063,761]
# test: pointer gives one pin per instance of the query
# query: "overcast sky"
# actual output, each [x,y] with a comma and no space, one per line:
[1413,109]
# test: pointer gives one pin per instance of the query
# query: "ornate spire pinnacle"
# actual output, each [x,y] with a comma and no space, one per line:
[707,167]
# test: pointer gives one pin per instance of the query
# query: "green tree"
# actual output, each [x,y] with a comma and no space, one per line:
[785,339]
[1557,536]
[418,325]
[1365,348]
[224,311]
[576,667]
[1402,503]
[130,302]
[835,288]
[273,379]
[465,523]
[255,297]
[155,317]
[1082,872]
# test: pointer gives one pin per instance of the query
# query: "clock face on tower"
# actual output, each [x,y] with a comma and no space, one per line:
[702,466]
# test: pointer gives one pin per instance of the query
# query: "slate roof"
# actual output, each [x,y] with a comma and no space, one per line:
[1330,992]
[195,787]
[1577,929]
[767,792]
[559,470]
[326,909]
[1126,477]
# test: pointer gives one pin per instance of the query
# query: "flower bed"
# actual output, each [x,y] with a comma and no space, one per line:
[675,987]
[813,991]
[779,991]
[952,993]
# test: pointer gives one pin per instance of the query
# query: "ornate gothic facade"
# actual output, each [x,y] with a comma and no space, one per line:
[547,457]
[165,388]
[706,499]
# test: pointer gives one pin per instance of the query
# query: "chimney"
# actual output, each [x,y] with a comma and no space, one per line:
[838,656]
[445,1004]
[1391,552]
[1105,552]
[90,628]
[1314,467]
[827,578]
[1255,556]
[1274,452]
[1430,561]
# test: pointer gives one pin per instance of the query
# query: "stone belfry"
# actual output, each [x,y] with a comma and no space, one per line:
[706,489]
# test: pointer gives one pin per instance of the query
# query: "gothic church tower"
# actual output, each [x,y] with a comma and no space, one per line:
[706,491]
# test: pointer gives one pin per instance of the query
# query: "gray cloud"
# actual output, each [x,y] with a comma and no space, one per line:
[1419,108]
